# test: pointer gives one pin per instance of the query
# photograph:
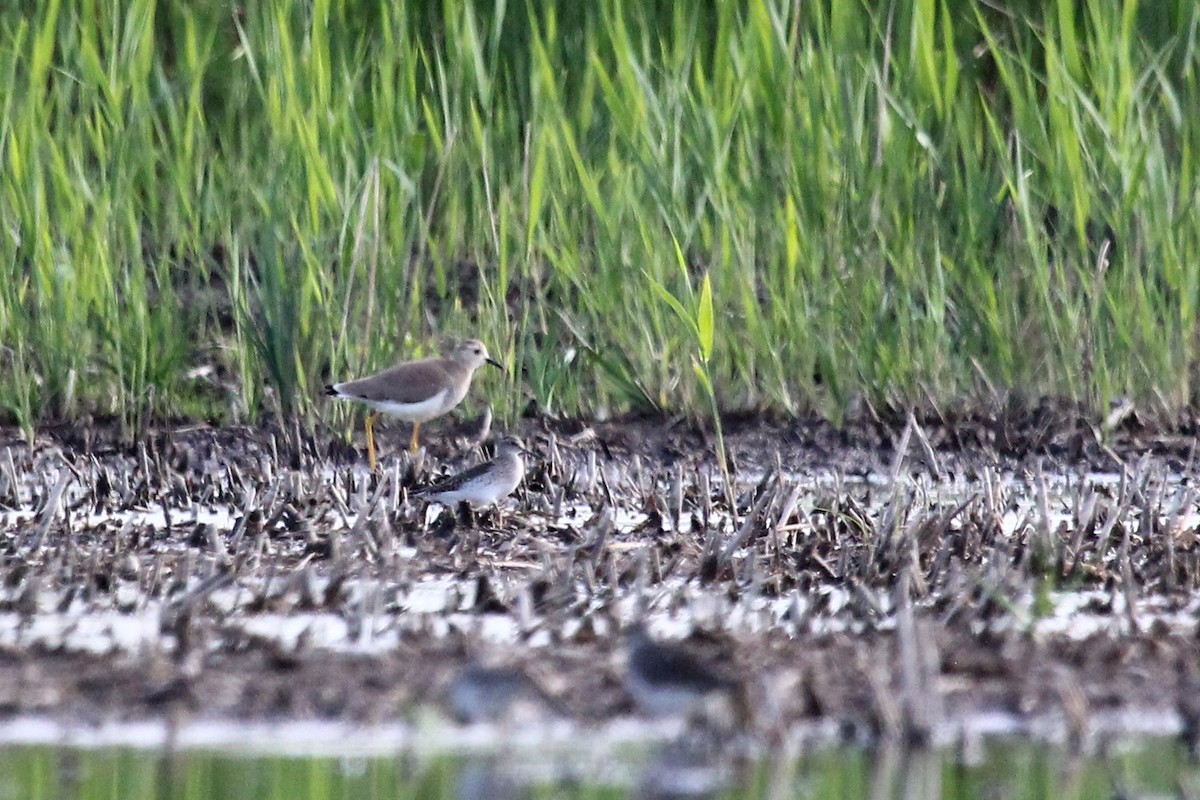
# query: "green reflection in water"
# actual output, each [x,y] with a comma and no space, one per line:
[1010,770]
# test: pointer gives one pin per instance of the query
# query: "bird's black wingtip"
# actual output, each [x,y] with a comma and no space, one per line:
[330,391]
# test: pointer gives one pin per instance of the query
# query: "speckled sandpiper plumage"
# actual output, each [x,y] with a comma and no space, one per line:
[482,484]
[416,391]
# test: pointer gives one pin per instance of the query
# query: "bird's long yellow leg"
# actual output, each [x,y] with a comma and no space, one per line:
[412,446]
[374,415]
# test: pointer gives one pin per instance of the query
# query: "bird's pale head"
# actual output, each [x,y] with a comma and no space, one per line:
[472,354]
[510,444]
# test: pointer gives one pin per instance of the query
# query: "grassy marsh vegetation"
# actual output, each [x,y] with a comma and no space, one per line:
[205,212]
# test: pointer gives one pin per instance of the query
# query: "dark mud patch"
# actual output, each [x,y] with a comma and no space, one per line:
[896,577]
[1071,686]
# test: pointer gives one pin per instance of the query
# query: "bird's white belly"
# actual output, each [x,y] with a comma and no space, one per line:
[480,492]
[484,489]
[412,412]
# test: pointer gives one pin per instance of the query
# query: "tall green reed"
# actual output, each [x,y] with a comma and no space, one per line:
[889,201]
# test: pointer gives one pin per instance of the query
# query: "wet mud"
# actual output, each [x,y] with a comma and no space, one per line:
[894,577]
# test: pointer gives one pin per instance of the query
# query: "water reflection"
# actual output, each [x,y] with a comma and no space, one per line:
[689,767]
[693,766]
[489,776]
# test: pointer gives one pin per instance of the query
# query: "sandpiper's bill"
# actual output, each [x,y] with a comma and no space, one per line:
[416,391]
[482,484]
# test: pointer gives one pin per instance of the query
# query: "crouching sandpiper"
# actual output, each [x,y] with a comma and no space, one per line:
[483,484]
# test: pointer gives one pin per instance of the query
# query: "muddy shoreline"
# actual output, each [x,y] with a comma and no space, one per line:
[1040,565]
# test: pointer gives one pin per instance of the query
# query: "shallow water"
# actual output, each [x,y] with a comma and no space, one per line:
[1003,769]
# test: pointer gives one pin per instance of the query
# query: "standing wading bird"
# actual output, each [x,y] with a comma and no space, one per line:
[482,484]
[416,391]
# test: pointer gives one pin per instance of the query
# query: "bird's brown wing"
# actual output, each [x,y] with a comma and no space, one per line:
[413,382]
[455,481]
